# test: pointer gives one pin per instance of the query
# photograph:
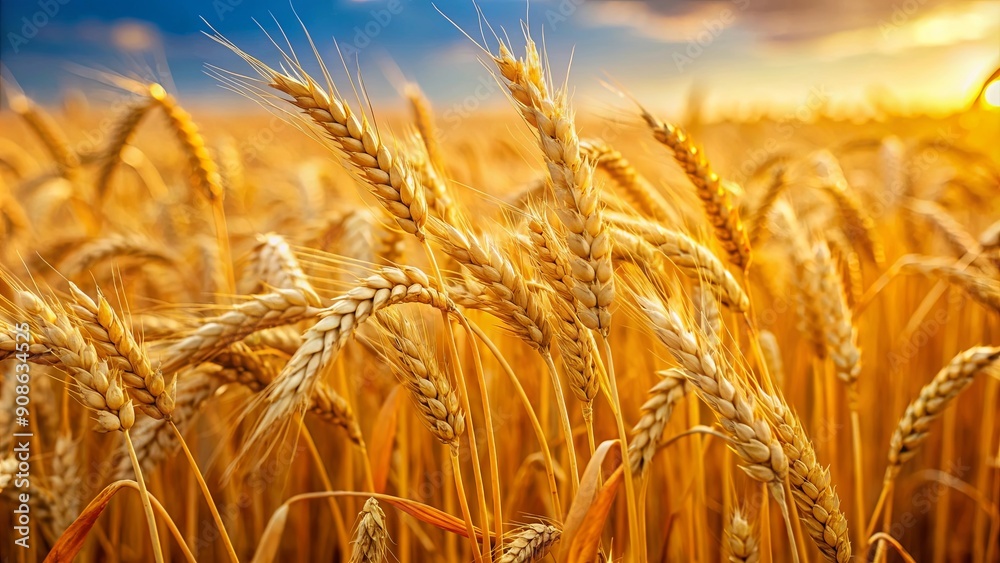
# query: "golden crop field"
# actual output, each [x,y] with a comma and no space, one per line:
[541,334]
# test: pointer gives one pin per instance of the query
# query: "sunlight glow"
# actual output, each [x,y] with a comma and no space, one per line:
[992,94]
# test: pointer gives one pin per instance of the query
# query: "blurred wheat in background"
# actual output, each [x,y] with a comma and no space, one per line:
[548,334]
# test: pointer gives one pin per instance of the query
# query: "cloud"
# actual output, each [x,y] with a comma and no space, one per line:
[785,23]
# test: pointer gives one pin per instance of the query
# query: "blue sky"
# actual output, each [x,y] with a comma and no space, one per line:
[742,53]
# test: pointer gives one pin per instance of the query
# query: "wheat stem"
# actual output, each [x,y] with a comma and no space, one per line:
[207,494]
[532,417]
[630,496]
[463,502]
[154,536]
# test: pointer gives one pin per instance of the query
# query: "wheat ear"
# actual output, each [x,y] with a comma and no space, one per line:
[723,391]
[934,398]
[758,222]
[114,342]
[576,346]
[858,225]
[812,491]
[99,386]
[638,241]
[653,417]
[259,312]
[387,175]
[295,386]
[771,352]
[634,188]
[423,116]
[370,537]
[572,183]
[55,141]
[530,544]
[741,539]
[840,335]
[121,134]
[718,205]
[430,387]
[274,265]
[980,287]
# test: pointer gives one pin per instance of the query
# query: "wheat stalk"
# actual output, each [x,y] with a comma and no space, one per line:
[153,439]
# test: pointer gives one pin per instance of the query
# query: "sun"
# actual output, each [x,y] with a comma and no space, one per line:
[991,95]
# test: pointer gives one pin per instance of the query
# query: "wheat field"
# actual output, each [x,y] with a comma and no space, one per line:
[542,335]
